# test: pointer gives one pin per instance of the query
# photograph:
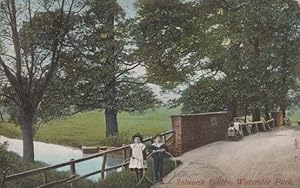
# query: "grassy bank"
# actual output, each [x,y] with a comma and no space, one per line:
[9,130]
[89,128]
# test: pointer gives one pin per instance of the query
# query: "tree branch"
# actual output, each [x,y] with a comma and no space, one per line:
[126,70]
[11,78]
[11,98]
[15,37]
[56,49]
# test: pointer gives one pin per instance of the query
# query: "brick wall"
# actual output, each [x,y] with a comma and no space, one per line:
[194,130]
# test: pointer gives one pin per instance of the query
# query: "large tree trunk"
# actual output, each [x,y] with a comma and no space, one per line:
[110,111]
[232,108]
[285,87]
[246,112]
[256,114]
[111,122]
[283,109]
[27,134]
[111,85]
[267,112]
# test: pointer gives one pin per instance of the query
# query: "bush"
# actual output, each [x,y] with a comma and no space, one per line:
[4,157]
[116,141]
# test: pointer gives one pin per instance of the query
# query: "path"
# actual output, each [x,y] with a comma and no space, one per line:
[267,159]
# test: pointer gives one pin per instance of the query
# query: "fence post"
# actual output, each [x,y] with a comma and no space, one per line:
[45,177]
[254,128]
[165,140]
[103,166]
[125,155]
[72,170]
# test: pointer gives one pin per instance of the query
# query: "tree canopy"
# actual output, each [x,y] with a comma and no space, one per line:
[243,53]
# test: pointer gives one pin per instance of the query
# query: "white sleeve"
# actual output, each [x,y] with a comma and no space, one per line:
[131,146]
[143,146]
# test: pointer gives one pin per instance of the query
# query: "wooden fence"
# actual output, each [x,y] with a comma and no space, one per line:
[257,126]
[167,136]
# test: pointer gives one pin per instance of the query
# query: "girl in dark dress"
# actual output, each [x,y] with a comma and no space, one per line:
[158,149]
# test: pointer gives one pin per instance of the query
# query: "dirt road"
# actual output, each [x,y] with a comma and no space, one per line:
[266,159]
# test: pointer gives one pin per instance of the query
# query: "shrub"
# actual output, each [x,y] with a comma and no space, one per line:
[116,141]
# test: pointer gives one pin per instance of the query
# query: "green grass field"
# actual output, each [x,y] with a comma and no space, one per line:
[89,128]
[295,115]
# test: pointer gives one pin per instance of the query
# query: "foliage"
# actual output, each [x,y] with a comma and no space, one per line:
[40,36]
[4,156]
[32,39]
[106,61]
[117,141]
[166,36]
[101,50]
[250,47]
[197,98]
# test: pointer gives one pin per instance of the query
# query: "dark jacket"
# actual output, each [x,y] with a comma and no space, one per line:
[158,155]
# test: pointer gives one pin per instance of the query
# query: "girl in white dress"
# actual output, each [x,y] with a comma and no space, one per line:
[138,161]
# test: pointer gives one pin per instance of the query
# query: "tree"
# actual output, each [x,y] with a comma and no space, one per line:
[32,39]
[238,41]
[103,46]
[197,97]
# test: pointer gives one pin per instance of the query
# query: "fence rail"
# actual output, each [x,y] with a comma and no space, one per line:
[72,163]
[257,122]
[257,126]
